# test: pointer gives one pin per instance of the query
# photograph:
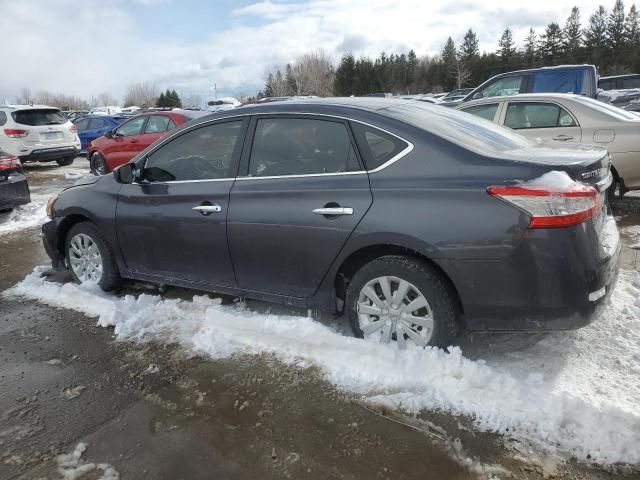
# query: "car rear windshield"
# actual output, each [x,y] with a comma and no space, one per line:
[606,108]
[465,130]
[37,117]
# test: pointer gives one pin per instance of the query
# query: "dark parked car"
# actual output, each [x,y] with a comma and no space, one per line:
[91,127]
[578,79]
[619,82]
[14,189]
[407,217]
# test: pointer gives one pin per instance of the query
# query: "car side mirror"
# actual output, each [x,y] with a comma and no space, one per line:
[126,173]
[108,134]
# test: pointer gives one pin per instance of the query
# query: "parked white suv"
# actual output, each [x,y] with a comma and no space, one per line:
[37,133]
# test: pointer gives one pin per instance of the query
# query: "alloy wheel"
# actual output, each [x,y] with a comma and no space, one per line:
[84,258]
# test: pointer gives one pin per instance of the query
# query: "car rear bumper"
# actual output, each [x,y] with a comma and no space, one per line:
[556,279]
[14,191]
[49,154]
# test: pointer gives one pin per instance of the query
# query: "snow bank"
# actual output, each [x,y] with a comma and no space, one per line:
[25,216]
[72,467]
[574,393]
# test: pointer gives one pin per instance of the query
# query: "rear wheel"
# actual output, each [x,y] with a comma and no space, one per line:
[98,165]
[63,162]
[90,258]
[401,300]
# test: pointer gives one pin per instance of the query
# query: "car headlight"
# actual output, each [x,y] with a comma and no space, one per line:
[52,201]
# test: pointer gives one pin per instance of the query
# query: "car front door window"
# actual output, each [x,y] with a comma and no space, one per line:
[132,127]
[502,86]
[204,153]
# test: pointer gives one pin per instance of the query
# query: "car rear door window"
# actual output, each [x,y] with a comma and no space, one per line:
[205,153]
[485,111]
[631,82]
[296,146]
[132,127]
[157,123]
[376,146]
[82,124]
[97,123]
[537,115]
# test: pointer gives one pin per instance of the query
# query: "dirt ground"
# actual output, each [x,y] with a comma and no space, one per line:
[151,411]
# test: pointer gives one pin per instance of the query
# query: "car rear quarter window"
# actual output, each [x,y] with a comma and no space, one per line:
[82,124]
[487,112]
[205,153]
[297,146]
[377,147]
[157,123]
[522,115]
[132,127]
[3,118]
[37,117]
[96,123]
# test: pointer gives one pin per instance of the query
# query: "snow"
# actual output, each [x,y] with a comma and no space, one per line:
[612,96]
[554,180]
[25,216]
[72,467]
[571,393]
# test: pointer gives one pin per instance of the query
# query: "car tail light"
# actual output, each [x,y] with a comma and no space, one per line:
[10,163]
[15,132]
[73,129]
[551,208]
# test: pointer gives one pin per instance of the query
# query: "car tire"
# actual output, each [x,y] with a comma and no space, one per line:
[63,162]
[85,235]
[98,165]
[439,319]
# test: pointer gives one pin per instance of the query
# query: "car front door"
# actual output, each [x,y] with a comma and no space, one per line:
[300,195]
[155,128]
[172,223]
[545,120]
[121,147]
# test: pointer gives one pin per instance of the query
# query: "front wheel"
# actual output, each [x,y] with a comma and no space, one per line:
[402,300]
[63,162]
[90,258]
[98,164]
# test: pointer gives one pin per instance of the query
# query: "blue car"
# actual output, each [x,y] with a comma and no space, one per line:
[91,127]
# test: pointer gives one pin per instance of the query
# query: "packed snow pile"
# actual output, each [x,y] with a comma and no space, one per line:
[571,393]
[72,467]
[25,216]
[619,97]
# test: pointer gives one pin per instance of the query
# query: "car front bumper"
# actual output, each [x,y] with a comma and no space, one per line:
[14,191]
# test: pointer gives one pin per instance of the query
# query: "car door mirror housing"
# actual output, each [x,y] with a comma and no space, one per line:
[126,173]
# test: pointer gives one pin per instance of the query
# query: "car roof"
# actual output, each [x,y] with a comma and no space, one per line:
[27,107]
[626,75]
[519,97]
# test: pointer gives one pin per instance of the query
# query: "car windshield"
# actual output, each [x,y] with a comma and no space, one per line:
[39,116]
[607,109]
[465,130]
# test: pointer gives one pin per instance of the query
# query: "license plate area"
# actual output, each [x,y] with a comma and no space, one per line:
[51,136]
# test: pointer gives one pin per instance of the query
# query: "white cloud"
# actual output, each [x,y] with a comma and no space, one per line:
[92,46]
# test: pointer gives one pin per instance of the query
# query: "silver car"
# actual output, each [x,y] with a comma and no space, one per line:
[559,117]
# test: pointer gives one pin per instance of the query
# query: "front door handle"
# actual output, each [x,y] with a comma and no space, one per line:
[206,209]
[334,211]
[563,138]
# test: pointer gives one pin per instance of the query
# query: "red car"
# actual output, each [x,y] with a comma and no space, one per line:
[118,146]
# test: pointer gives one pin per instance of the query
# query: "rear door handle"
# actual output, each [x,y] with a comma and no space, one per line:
[208,208]
[563,138]
[334,211]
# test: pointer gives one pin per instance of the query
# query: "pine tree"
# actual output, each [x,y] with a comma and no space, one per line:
[344,82]
[268,88]
[160,102]
[175,100]
[412,67]
[506,45]
[551,43]
[530,48]
[615,26]
[572,35]
[632,27]
[595,35]
[450,61]
[290,80]
[469,48]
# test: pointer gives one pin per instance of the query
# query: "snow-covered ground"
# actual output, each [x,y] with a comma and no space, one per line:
[571,394]
[25,216]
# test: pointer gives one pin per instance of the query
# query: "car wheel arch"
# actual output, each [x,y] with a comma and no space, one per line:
[67,224]
[360,257]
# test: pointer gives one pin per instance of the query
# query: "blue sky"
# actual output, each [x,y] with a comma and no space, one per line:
[85,47]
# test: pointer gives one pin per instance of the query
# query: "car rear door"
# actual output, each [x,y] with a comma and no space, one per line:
[82,125]
[301,193]
[546,120]
[172,223]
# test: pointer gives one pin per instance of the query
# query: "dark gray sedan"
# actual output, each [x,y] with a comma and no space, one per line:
[412,219]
